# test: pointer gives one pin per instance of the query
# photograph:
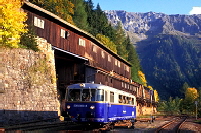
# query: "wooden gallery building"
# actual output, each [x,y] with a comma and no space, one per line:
[79,57]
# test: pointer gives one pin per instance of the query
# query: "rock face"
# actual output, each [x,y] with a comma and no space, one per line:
[142,25]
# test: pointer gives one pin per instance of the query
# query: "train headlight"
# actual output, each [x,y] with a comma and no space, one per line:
[92,107]
[68,107]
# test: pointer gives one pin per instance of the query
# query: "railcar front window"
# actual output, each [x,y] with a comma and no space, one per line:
[74,95]
[86,95]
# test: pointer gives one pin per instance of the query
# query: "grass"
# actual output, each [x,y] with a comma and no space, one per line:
[198,121]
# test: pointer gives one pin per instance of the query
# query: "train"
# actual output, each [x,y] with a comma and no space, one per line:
[99,104]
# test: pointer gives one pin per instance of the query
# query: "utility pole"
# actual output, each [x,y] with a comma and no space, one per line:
[196,109]
[151,94]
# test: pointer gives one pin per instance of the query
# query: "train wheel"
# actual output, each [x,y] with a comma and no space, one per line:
[111,126]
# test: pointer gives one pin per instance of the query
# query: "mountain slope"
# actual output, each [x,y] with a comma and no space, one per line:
[169,47]
[143,25]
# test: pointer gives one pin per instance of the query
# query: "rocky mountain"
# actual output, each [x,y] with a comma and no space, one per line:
[141,25]
[169,47]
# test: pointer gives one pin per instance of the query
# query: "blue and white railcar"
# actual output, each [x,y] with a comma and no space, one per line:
[88,102]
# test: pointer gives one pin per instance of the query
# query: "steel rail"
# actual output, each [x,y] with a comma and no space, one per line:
[176,124]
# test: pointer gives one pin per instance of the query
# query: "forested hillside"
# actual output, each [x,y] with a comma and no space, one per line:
[168,47]
[170,61]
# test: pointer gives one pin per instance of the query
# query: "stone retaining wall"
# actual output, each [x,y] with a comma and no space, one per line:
[27,84]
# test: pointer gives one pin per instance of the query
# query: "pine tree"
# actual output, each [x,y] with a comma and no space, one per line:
[184,88]
[90,15]
[120,38]
[101,20]
[134,60]
[80,14]
[110,32]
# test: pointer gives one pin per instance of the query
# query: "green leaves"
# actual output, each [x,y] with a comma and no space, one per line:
[28,39]
[106,41]
[171,107]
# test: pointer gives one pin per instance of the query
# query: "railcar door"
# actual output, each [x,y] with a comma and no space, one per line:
[112,108]
[106,105]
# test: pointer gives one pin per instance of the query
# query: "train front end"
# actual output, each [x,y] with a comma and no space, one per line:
[85,104]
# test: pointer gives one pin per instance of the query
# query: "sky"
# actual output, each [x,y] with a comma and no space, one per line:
[187,7]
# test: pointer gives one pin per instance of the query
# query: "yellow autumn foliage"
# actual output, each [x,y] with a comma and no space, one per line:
[12,25]
[156,97]
[107,42]
[150,87]
[142,77]
[64,9]
[191,94]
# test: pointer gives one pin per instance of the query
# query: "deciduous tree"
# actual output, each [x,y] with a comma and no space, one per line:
[172,106]
[12,24]
[142,77]
[62,8]
[156,97]
[191,94]
[106,41]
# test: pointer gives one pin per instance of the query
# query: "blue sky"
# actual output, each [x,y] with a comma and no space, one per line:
[163,6]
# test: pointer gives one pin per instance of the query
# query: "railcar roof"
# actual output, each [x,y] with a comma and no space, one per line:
[88,85]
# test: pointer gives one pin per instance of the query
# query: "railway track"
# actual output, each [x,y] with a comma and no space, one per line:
[43,126]
[67,126]
[172,126]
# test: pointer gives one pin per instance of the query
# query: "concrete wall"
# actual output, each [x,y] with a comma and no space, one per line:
[27,84]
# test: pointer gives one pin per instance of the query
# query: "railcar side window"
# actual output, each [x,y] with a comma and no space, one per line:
[111,96]
[74,95]
[106,96]
[124,99]
[133,101]
[93,95]
[120,99]
[129,100]
[100,95]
